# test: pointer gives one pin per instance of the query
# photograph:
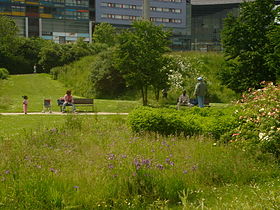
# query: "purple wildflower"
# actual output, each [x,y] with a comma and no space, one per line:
[76,187]
[146,162]
[124,156]
[137,164]
[168,161]
[7,171]
[185,172]
[53,170]
[194,167]
[111,166]
[111,156]
[159,166]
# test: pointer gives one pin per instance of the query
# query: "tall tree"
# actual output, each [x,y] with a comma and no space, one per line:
[105,33]
[8,41]
[245,43]
[140,56]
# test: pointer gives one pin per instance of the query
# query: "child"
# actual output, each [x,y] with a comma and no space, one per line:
[24,103]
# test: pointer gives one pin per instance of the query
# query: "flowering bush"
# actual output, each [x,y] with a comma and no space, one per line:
[259,120]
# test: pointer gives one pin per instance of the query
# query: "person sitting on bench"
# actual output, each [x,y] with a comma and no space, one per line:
[68,101]
[183,100]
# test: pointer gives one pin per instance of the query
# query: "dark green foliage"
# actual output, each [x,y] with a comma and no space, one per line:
[273,59]
[29,49]
[53,54]
[107,81]
[246,46]
[189,122]
[4,73]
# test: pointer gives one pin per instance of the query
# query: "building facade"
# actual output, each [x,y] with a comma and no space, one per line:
[58,20]
[196,24]
[66,20]
[174,14]
[207,24]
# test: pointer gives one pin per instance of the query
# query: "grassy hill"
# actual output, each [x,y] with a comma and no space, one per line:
[35,86]
[40,86]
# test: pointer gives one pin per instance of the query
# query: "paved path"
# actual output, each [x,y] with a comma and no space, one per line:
[59,113]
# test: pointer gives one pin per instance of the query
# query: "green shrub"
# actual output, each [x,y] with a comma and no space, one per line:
[189,122]
[4,73]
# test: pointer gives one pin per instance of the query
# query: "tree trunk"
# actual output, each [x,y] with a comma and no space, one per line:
[157,94]
[144,93]
[143,96]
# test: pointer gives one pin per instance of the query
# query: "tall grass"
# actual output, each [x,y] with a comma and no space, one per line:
[96,162]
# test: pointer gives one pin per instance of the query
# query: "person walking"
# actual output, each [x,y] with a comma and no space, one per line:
[200,91]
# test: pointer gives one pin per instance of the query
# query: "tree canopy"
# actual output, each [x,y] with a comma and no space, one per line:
[105,33]
[140,56]
[247,45]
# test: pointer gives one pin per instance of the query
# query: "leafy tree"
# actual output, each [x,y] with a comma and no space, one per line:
[50,56]
[53,54]
[106,79]
[273,59]
[8,41]
[245,43]
[29,49]
[105,33]
[140,56]
[8,33]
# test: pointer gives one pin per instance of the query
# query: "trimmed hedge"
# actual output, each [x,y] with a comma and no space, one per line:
[4,73]
[189,122]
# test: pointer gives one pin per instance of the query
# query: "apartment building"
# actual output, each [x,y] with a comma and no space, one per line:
[174,14]
[66,20]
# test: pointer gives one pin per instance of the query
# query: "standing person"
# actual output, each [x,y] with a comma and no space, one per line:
[68,101]
[24,104]
[200,91]
[35,69]
[183,100]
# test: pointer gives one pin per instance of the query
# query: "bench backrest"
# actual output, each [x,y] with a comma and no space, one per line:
[83,101]
[47,102]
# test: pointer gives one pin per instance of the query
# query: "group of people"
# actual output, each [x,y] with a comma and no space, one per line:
[184,100]
[67,100]
[199,92]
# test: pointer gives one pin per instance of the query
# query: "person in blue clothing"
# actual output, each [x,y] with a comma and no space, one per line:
[200,91]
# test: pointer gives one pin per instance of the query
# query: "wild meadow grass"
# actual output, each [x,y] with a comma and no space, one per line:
[96,162]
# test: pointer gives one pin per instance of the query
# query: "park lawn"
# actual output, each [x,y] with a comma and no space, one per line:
[35,86]
[91,162]
[14,125]
[40,86]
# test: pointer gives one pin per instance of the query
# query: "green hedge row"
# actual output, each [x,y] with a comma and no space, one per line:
[189,122]
[4,73]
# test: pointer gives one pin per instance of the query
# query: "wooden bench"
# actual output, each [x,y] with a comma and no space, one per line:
[78,102]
